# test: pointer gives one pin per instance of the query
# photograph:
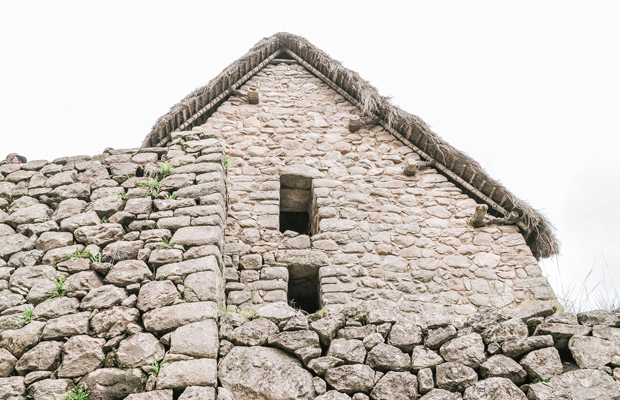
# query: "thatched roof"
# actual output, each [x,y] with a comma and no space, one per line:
[196,107]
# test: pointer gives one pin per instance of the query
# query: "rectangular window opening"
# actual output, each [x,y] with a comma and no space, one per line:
[303,293]
[296,204]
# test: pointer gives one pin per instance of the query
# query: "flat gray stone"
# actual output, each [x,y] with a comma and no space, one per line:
[171,317]
[113,322]
[157,294]
[81,355]
[127,272]
[99,235]
[43,357]
[264,372]
[467,350]
[112,383]
[138,350]
[542,364]
[181,374]
[66,326]
[384,357]
[178,271]
[351,378]
[104,296]
[405,335]
[455,377]
[253,333]
[581,384]
[352,351]
[198,339]
[500,366]
[198,236]
[396,385]
[494,388]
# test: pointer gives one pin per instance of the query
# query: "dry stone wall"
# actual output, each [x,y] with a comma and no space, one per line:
[111,274]
[379,236]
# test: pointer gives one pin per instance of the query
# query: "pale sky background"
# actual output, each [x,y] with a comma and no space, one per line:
[529,89]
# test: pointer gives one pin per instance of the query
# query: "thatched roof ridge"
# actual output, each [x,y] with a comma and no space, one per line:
[196,107]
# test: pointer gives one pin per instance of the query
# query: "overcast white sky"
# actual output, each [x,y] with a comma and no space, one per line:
[530,89]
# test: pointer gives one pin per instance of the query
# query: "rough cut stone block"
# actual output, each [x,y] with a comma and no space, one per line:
[181,374]
[198,339]
[178,271]
[198,236]
[170,317]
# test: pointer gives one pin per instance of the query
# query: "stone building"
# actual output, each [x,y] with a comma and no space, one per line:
[322,154]
[284,233]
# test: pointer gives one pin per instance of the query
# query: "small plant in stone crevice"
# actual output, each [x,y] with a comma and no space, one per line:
[226,161]
[97,258]
[538,380]
[151,186]
[104,220]
[78,393]
[26,317]
[166,244]
[78,254]
[121,195]
[59,289]
[156,367]
[165,169]
[248,313]
[170,196]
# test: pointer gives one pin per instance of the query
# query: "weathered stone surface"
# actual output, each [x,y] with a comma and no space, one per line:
[126,272]
[438,336]
[356,332]
[12,388]
[327,327]
[294,340]
[351,378]
[29,215]
[302,263]
[178,271]
[198,339]
[47,388]
[516,348]
[112,383]
[583,384]
[494,388]
[396,385]
[253,333]
[198,393]
[104,296]
[561,333]
[107,206]
[422,357]
[74,222]
[426,383]
[19,341]
[333,395]
[467,350]
[66,326]
[113,322]
[441,394]
[351,351]
[592,352]
[542,364]
[384,357]
[180,374]
[405,335]
[170,317]
[138,350]
[321,365]
[513,329]
[500,366]
[99,235]
[7,363]
[277,312]
[122,250]
[55,308]
[157,294]
[455,377]
[11,244]
[51,240]
[198,235]
[203,286]
[9,299]
[80,355]
[262,372]
[23,279]
[42,357]
[156,395]
[599,317]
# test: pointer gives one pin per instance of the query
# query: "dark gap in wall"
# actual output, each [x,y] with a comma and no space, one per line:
[303,293]
[139,172]
[295,221]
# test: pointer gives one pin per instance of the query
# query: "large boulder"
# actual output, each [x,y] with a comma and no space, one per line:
[253,333]
[455,377]
[494,388]
[542,364]
[396,385]
[467,350]
[264,373]
[112,383]
[581,384]
[351,378]
[592,352]
[81,354]
[500,366]
[384,357]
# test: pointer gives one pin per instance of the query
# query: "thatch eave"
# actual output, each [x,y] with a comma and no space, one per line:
[196,107]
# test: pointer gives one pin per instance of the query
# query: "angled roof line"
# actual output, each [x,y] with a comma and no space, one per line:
[196,107]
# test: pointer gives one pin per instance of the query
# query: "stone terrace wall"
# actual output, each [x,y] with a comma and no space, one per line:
[381,236]
[100,282]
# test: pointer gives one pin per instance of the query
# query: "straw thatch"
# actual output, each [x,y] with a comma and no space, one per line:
[195,108]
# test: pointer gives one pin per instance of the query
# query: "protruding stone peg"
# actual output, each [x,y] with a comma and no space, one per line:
[479,213]
[354,123]
[411,166]
[253,95]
